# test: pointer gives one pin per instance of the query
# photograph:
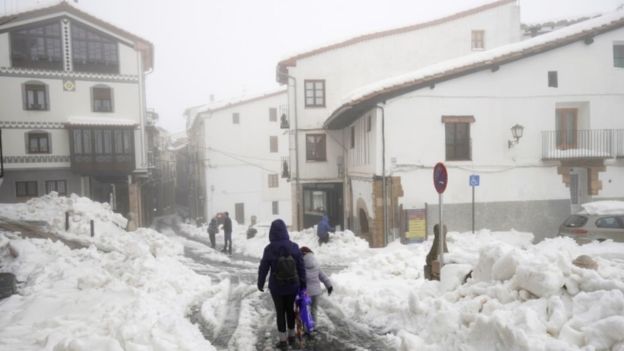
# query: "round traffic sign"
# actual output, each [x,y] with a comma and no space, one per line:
[440,177]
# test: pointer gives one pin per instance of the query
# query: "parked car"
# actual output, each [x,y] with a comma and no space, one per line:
[588,225]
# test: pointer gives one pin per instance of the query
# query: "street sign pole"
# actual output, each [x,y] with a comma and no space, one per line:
[440,179]
[473,211]
[474,180]
[440,232]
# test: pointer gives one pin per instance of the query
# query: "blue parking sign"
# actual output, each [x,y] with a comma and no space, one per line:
[474,180]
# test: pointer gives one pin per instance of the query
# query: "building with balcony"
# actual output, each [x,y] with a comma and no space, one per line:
[318,79]
[538,120]
[72,108]
[239,158]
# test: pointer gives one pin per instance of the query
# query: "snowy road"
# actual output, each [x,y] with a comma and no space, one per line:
[246,315]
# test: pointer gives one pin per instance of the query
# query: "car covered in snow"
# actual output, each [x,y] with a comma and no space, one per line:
[600,220]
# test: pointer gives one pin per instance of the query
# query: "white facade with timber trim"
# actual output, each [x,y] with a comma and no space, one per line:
[72,111]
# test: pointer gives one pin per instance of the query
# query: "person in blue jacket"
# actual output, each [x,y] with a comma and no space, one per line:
[282,255]
[322,230]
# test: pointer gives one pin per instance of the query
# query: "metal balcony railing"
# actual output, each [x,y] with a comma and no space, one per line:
[585,144]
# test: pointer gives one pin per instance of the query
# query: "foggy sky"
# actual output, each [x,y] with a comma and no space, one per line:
[231,47]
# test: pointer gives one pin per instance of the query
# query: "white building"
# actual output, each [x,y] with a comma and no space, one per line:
[566,88]
[318,79]
[72,107]
[240,151]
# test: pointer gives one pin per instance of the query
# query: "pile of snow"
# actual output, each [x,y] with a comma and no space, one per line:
[603,208]
[498,291]
[134,295]
[343,247]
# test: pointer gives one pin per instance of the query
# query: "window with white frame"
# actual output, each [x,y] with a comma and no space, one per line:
[273,142]
[478,40]
[273,180]
[275,207]
[26,189]
[102,99]
[314,90]
[618,55]
[60,186]
[315,147]
[36,96]
[38,143]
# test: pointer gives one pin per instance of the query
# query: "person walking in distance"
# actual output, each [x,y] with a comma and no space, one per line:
[285,262]
[227,233]
[213,228]
[322,230]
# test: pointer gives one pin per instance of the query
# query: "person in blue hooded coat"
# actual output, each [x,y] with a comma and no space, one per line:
[322,230]
[283,293]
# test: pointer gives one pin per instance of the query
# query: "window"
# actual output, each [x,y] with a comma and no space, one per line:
[275,206]
[315,147]
[60,186]
[93,51]
[35,96]
[369,123]
[478,40]
[37,47]
[618,55]
[352,137]
[273,181]
[236,118]
[38,143]
[314,93]
[314,202]
[457,138]
[102,99]
[273,143]
[553,80]
[26,189]
[102,141]
[272,114]
[566,127]
[609,222]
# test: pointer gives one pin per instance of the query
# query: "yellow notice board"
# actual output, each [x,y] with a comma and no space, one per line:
[416,226]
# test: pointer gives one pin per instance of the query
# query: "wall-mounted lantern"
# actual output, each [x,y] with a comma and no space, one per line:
[516,132]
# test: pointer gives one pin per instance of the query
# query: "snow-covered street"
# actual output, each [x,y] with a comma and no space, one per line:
[147,290]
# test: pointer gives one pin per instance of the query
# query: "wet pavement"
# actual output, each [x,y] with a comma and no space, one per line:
[249,311]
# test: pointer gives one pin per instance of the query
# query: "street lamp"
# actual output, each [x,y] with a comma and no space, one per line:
[516,132]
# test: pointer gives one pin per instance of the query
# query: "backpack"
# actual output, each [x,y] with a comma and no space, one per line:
[286,269]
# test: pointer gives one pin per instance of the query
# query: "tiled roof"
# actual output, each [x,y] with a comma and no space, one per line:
[63,6]
[368,96]
[283,65]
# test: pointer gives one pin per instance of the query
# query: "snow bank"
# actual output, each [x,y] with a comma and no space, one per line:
[343,247]
[603,208]
[518,296]
[132,295]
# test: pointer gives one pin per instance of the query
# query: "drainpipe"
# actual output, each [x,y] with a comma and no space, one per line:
[383,173]
[297,181]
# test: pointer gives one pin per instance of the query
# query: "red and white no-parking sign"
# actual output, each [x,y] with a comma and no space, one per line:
[440,177]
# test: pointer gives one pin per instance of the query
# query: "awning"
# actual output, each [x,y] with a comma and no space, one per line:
[92,121]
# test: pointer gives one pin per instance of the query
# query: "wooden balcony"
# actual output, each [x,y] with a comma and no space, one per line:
[582,144]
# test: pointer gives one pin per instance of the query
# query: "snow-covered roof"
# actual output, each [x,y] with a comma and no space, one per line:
[603,208]
[243,99]
[101,121]
[282,66]
[367,96]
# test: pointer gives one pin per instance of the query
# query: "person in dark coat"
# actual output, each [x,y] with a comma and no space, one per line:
[322,230]
[283,293]
[213,228]
[227,233]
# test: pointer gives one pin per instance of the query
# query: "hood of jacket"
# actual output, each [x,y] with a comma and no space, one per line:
[309,260]
[278,231]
